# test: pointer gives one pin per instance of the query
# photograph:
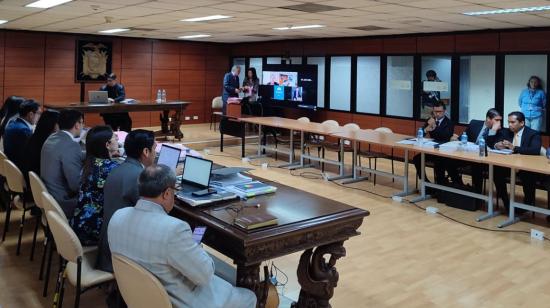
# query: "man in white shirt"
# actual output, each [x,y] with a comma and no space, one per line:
[164,246]
[61,161]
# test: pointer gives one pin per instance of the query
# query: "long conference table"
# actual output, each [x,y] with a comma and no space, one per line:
[306,222]
[516,162]
[170,125]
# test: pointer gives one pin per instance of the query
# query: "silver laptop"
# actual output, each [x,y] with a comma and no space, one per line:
[98,97]
[169,156]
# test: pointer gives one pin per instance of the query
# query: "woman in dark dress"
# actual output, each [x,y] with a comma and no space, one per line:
[101,142]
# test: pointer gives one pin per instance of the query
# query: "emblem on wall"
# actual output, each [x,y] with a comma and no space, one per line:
[93,60]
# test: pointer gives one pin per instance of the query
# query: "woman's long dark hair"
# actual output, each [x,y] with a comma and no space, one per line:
[44,128]
[96,140]
[254,75]
[539,86]
[9,109]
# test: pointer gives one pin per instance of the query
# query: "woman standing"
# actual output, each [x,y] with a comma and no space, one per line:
[251,84]
[532,102]
[86,222]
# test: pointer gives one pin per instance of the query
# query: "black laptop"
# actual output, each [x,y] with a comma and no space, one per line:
[196,174]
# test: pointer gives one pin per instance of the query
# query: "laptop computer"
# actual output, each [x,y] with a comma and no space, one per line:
[98,97]
[196,174]
[169,156]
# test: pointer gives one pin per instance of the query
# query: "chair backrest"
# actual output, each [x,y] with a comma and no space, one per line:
[330,123]
[352,127]
[217,102]
[2,158]
[67,243]
[383,130]
[138,286]
[37,187]
[49,204]
[542,151]
[14,177]
[303,119]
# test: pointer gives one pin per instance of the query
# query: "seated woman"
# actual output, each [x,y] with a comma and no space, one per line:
[46,126]
[101,144]
[9,111]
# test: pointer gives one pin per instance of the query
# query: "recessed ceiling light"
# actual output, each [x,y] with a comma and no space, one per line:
[44,4]
[299,27]
[3,21]
[207,18]
[194,36]
[509,11]
[117,30]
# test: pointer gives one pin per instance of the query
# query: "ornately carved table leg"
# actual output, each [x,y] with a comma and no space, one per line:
[249,277]
[176,124]
[317,277]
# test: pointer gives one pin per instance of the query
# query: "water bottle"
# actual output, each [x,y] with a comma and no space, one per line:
[159,96]
[420,136]
[482,147]
[463,139]
[163,96]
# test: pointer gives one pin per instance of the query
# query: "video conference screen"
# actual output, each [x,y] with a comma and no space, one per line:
[293,85]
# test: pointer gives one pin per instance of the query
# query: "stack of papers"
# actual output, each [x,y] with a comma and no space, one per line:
[220,195]
[251,189]
[504,151]
[458,146]
[425,143]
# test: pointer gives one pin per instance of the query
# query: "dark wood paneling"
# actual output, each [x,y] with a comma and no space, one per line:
[400,126]
[62,94]
[435,44]
[165,77]
[136,45]
[60,58]
[399,45]
[478,42]
[24,76]
[525,41]
[117,55]
[193,77]
[172,92]
[139,92]
[217,63]
[166,61]
[136,60]
[367,121]
[214,78]
[57,77]
[191,93]
[341,117]
[36,93]
[25,39]
[361,46]
[141,119]
[192,62]
[61,41]
[192,48]
[135,76]
[167,47]
[24,57]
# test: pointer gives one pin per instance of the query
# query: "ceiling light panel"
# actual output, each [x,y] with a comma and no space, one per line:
[44,4]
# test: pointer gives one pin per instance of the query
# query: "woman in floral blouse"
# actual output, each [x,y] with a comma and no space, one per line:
[101,145]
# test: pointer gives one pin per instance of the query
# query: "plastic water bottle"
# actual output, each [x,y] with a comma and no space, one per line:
[159,96]
[482,147]
[163,96]
[420,136]
[463,139]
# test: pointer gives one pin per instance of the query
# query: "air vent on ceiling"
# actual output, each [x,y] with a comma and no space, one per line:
[143,29]
[311,8]
[259,35]
[369,28]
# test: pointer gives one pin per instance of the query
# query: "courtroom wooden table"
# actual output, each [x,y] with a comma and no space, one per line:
[170,126]
[303,127]
[306,222]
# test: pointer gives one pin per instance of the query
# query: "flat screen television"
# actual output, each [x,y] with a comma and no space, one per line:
[289,85]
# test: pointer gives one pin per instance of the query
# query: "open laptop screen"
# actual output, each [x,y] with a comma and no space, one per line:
[197,170]
[169,156]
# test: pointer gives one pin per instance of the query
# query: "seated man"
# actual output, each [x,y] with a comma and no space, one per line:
[491,131]
[121,189]
[521,140]
[164,245]
[61,161]
[19,131]
[440,128]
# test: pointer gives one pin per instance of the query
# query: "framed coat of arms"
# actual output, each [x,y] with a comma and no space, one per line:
[93,60]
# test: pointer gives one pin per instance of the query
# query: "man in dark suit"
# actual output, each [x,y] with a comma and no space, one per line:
[521,140]
[19,131]
[440,128]
[230,86]
[491,131]
[116,94]
[121,187]
[61,161]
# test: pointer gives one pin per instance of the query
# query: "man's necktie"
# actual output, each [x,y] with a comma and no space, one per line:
[516,142]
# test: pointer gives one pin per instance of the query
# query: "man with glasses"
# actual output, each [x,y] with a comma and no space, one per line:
[164,245]
[440,128]
[116,94]
[61,161]
[19,131]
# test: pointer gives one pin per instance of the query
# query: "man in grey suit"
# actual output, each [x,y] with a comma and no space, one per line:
[61,161]
[164,246]
[121,187]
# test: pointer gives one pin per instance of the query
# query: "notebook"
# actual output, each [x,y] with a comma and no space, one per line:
[256,220]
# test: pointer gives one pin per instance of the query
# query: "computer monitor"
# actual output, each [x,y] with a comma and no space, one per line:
[169,156]
[197,171]
[98,97]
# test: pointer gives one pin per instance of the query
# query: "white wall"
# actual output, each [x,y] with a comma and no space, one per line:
[482,86]
[518,69]
[368,84]
[340,83]
[320,62]
[400,99]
